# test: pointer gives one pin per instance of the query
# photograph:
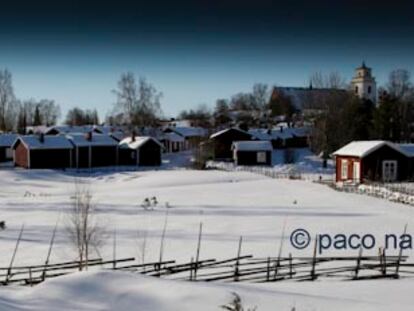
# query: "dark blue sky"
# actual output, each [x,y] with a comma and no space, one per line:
[195,51]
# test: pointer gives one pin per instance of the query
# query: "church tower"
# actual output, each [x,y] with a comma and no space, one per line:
[363,84]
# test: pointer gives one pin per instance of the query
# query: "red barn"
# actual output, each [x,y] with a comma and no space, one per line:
[374,160]
[42,151]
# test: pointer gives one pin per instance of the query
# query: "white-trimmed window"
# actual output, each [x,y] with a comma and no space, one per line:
[261,157]
[344,169]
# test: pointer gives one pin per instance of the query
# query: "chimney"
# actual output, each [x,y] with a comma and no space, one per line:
[133,136]
[88,136]
[42,137]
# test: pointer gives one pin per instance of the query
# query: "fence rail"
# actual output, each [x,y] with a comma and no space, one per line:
[244,268]
[394,192]
[292,173]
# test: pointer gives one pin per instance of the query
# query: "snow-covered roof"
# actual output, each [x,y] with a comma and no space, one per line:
[251,145]
[189,131]
[81,140]
[365,147]
[49,142]
[227,130]
[407,148]
[37,129]
[118,135]
[172,136]
[277,133]
[261,134]
[7,140]
[66,129]
[138,142]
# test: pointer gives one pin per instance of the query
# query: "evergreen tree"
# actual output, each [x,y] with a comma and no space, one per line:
[358,119]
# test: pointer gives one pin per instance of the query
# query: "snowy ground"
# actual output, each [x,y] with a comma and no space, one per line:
[229,204]
[120,291]
[304,161]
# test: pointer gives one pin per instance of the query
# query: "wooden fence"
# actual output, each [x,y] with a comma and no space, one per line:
[271,172]
[244,268]
[394,192]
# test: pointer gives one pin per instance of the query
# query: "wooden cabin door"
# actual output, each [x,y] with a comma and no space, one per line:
[356,171]
[389,171]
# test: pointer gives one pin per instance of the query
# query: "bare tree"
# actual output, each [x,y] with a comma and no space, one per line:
[32,112]
[139,102]
[83,228]
[200,116]
[8,103]
[50,111]
[333,80]
[399,84]
[77,116]
[260,96]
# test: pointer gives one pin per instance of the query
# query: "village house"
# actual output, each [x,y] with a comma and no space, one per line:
[221,142]
[140,151]
[252,152]
[6,144]
[114,131]
[283,136]
[93,150]
[376,160]
[172,142]
[192,136]
[42,151]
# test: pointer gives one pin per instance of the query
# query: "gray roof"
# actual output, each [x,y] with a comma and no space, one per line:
[80,140]
[49,142]
[137,142]
[252,145]
[7,140]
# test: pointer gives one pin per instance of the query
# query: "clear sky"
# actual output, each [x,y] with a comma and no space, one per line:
[195,51]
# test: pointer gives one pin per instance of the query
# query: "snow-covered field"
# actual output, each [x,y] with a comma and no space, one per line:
[229,204]
[121,291]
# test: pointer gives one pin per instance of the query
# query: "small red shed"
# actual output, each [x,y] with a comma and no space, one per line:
[42,151]
[374,160]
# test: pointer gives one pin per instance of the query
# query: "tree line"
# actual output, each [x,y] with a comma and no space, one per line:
[137,104]
[341,117]
[346,118]
[16,115]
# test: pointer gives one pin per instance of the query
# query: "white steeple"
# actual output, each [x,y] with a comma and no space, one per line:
[363,84]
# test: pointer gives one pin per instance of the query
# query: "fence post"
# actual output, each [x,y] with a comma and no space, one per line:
[30,277]
[191,268]
[268,270]
[358,264]
[313,270]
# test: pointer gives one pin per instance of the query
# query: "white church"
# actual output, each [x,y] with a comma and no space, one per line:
[364,84]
